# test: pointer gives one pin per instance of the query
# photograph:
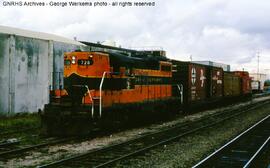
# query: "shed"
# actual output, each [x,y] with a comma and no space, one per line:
[31,63]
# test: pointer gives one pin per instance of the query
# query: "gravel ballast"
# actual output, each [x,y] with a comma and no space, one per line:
[191,149]
[156,158]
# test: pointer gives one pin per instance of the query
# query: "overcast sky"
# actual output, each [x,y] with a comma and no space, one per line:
[226,31]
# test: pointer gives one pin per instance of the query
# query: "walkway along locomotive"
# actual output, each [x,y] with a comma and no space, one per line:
[103,87]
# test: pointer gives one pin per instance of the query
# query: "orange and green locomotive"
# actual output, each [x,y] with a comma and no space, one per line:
[100,86]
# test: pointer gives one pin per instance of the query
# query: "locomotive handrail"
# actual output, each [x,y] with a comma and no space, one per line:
[180,88]
[91,98]
[100,92]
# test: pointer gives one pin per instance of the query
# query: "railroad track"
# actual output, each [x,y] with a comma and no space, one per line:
[260,95]
[242,151]
[14,148]
[263,158]
[110,154]
[17,131]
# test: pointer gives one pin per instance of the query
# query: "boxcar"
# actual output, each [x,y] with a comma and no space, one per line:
[246,82]
[232,85]
[193,79]
[215,82]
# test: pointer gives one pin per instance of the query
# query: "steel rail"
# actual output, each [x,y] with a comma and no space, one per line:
[166,141]
[9,143]
[18,131]
[230,142]
[24,149]
[256,154]
[140,139]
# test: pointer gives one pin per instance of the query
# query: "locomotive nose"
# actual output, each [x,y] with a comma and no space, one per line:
[77,93]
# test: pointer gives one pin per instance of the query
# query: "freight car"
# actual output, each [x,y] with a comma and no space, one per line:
[237,86]
[202,84]
[246,82]
[207,86]
[232,85]
[192,77]
[101,88]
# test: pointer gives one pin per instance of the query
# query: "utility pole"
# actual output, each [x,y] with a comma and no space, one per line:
[258,65]
[190,57]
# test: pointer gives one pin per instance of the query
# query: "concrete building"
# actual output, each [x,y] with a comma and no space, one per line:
[31,63]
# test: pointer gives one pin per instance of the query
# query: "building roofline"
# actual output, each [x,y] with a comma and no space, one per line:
[37,35]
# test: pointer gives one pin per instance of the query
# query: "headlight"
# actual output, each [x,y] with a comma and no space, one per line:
[73,61]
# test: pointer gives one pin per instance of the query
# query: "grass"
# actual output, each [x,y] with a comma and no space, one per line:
[18,122]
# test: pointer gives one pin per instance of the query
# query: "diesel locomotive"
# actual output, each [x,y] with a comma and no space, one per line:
[102,87]
[99,86]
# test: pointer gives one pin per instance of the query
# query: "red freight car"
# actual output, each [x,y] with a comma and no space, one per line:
[193,78]
[215,80]
[246,82]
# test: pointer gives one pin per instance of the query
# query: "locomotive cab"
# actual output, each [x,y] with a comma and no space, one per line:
[82,75]
[86,64]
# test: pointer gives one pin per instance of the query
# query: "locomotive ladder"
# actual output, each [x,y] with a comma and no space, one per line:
[100,92]
[100,89]
[181,89]
[91,98]
[97,98]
